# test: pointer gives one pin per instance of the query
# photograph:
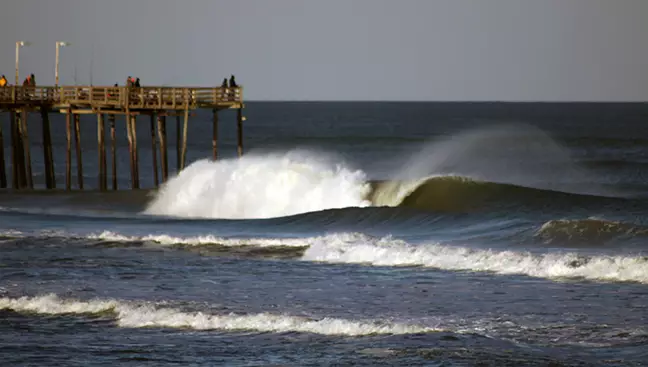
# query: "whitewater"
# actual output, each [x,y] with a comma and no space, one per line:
[260,187]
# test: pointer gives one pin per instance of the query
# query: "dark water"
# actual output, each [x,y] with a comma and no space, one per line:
[449,234]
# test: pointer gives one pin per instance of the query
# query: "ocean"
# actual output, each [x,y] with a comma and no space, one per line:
[350,233]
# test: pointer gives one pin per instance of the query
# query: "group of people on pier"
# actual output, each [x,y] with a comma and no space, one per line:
[132,82]
[30,81]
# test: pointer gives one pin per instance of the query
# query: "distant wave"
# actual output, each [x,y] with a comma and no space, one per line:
[146,315]
[588,231]
[357,248]
[362,249]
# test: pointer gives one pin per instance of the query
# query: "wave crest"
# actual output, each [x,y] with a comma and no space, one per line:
[386,251]
[260,187]
[134,315]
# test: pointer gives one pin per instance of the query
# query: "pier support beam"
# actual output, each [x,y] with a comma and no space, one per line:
[156,179]
[162,137]
[27,149]
[183,158]
[77,143]
[17,153]
[239,124]
[215,135]
[101,148]
[50,176]
[3,167]
[135,152]
[178,146]
[68,151]
[113,151]
[129,133]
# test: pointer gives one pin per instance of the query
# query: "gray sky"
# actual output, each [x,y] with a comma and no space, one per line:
[514,50]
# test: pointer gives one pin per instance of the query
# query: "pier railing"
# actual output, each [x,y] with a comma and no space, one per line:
[120,97]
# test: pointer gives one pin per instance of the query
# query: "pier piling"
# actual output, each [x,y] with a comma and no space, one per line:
[178,146]
[135,151]
[77,144]
[3,167]
[113,151]
[68,151]
[101,148]
[50,175]
[164,159]
[215,135]
[183,157]
[239,128]
[26,148]
[156,179]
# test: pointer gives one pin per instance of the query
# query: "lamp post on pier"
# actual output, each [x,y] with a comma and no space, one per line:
[56,71]
[19,44]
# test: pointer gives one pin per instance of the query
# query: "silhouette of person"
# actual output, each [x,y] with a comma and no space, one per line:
[137,83]
[232,82]
[129,81]
[224,84]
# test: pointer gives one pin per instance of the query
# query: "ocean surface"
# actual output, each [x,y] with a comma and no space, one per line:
[438,234]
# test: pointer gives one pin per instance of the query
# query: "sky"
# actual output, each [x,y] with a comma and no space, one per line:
[421,50]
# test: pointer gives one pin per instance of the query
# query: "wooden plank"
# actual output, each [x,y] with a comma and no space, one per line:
[79,157]
[27,149]
[50,177]
[156,179]
[162,137]
[68,153]
[3,167]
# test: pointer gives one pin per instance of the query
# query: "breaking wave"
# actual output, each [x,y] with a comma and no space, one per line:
[134,315]
[260,187]
[276,186]
[386,251]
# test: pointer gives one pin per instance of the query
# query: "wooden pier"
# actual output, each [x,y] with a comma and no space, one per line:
[157,103]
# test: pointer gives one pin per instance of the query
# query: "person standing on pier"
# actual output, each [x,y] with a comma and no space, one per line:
[3,81]
[224,90]
[232,82]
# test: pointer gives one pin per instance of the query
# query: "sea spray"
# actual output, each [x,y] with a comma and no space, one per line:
[260,187]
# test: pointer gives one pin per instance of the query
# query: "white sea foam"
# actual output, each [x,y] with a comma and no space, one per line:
[386,251]
[168,240]
[260,187]
[134,315]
